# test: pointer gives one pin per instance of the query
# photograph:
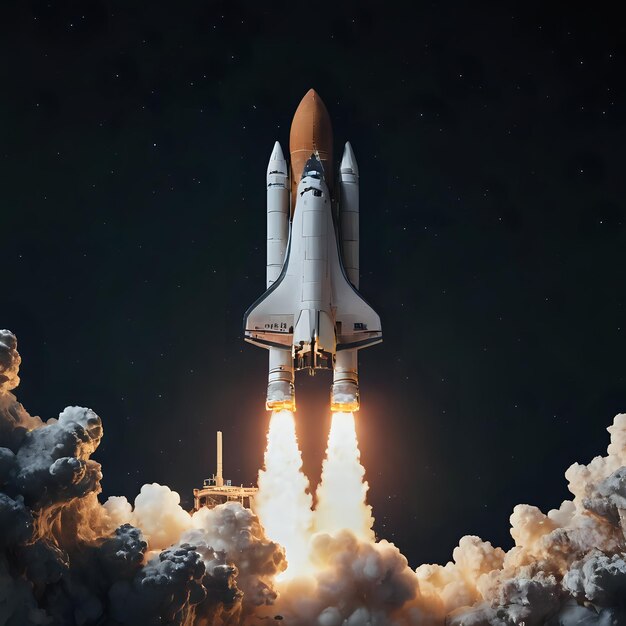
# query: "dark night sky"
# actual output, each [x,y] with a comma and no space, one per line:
[133,147]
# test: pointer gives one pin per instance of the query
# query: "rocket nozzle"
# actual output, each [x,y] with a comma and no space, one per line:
[344,396]
[344,392]
[281,396]
[281,393]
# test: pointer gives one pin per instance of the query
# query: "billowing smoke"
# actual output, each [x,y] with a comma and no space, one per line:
[567,566]
[67,558]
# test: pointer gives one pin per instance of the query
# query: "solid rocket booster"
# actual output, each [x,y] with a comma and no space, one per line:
[345,373]
[312,316]
[281,371]
[277,213]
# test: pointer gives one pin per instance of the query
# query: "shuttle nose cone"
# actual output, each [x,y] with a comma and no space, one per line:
[311,132]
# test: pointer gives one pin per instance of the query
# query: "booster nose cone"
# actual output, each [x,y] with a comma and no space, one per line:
[348,161]
[311,132]
[277,163]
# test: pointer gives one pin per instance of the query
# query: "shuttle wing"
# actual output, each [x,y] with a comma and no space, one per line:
[269,321]
[357,324]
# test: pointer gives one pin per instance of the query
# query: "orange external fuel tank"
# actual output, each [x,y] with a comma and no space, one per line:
[311,131]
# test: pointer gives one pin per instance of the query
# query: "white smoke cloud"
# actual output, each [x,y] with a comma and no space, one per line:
[357,582]
[65,558]
[567,566]
[157,512]
[235,535]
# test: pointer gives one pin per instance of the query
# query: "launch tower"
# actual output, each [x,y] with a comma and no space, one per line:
[216,490]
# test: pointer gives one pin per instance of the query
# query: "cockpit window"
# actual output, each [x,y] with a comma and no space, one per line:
[313,168]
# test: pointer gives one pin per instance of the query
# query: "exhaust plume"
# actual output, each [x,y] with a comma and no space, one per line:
[341,495]
[283,502]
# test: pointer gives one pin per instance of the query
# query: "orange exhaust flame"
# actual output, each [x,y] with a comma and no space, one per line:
[281,405]
[283,502]
[341,495]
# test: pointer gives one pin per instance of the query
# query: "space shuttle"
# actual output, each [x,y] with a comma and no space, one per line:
[312,316]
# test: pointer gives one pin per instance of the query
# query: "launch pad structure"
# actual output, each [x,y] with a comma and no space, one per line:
[216,490]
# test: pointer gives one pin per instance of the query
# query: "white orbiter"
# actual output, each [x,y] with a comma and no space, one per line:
[312,316]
